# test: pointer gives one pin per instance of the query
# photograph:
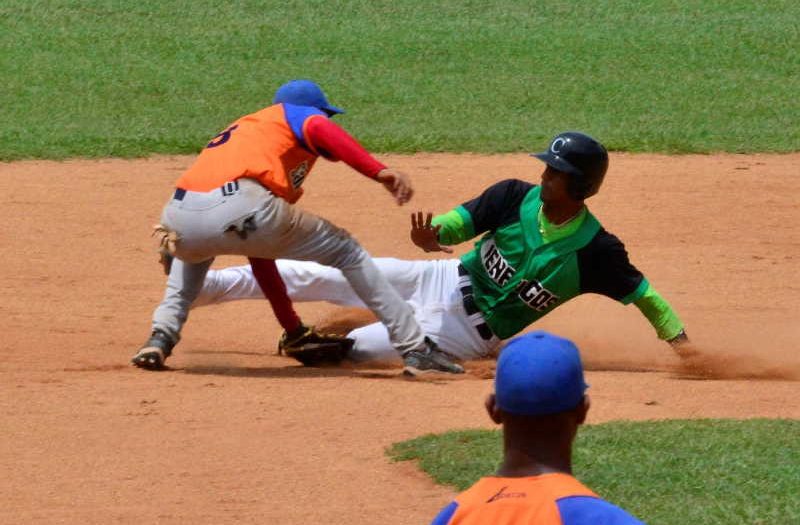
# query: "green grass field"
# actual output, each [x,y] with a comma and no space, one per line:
[122,78]
[668,472]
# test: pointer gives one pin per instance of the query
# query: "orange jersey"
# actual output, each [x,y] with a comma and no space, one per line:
[262,146]
[515,501]
[548,499]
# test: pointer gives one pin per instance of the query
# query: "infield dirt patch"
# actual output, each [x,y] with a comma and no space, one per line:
[235,434]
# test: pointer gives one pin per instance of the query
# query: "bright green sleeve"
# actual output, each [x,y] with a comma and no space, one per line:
[660,314]
[456,226]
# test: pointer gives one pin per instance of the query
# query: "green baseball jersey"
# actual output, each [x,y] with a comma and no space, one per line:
[517,277]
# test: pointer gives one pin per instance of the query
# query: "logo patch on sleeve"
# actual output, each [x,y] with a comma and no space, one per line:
[298,175]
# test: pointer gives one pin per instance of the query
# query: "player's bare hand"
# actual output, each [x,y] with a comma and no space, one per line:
[397,183]
[425,235]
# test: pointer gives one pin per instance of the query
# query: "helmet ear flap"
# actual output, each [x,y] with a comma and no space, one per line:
[577,187]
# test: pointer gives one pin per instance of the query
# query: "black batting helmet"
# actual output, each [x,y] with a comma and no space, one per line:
[580,156]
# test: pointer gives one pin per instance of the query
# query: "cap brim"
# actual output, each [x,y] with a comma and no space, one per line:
[554,161]
[332,110]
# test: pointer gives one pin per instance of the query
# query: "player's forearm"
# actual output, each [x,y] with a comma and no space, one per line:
[660,314]
[455,226]
[335,143]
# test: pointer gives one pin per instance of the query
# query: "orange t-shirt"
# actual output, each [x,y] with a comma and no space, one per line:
[516,501]
[261,146]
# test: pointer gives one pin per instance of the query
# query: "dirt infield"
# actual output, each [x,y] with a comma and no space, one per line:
[235,434]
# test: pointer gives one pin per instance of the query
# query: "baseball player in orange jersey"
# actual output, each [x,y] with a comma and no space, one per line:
[540,402]
[237,199]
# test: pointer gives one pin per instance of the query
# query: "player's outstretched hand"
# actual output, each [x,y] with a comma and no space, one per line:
[397,183]
[425,235]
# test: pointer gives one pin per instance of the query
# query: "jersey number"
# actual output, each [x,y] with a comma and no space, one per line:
[222,137]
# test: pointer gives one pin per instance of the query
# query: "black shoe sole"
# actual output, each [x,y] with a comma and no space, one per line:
[412,371]
[153,363]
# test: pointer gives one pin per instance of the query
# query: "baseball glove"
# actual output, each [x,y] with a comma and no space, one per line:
[312,348]
[167,240]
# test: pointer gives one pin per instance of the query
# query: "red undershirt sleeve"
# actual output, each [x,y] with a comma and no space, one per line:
[269,280]
[334,143]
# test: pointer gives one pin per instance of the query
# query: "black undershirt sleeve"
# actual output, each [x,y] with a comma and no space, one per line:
[498,205]
[605,269]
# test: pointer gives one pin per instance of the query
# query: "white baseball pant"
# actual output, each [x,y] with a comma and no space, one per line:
[431,288]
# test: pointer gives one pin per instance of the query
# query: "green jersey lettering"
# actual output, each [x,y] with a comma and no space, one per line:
[496,266]
[535,295]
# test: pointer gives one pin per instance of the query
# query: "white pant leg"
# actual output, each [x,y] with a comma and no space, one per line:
[307,281]
[229,284]
[439,309]
[415,281]
[430,287]
[372,344]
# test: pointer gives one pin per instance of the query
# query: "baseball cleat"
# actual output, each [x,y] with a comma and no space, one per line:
[154,352]
[150,358]
[429,360]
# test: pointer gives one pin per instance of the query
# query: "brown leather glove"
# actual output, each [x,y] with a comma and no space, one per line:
[312,348]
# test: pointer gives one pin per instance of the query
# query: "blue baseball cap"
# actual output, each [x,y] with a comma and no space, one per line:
[304,93]
[539,374]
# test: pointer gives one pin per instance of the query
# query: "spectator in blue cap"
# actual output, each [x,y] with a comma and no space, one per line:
[540,401]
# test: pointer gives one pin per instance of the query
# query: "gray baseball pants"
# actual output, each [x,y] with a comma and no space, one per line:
[244,218]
